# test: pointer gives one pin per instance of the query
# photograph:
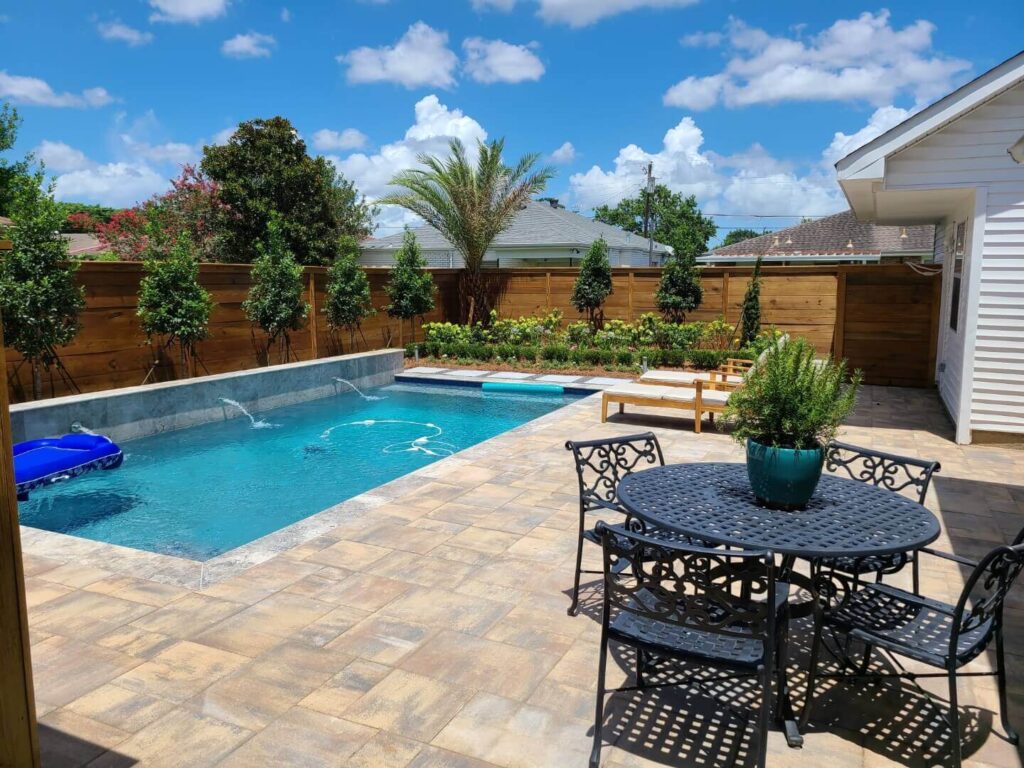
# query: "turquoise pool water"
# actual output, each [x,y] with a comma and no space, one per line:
[199,492]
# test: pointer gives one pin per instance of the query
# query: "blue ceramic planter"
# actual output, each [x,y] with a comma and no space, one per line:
[783,478]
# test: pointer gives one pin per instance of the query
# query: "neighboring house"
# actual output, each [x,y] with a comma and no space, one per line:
[836,239]
[957,164]
[83,243]
[542,234]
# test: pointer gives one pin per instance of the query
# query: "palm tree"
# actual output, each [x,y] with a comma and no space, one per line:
[469,205]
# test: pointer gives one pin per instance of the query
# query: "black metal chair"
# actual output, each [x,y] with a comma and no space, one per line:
[600,467]
[932,632]
[678,601]
[886,470]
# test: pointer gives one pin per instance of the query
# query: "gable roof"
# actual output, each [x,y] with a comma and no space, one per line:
[537,224]
[830,236]
[968,97]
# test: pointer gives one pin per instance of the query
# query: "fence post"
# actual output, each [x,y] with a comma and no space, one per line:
[840,325]
[547,290]
[629,298]
[725,296]
[313,341]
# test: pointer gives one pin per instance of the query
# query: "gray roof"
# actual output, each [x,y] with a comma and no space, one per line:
[538,224]
[833,235]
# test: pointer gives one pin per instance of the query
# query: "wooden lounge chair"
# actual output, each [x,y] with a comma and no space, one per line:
[702,397]
[732,371]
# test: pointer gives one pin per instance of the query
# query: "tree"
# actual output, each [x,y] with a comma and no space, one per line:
[750,314]
[679,291]
[594,282]
[193,206]
[83,217]
[275,299]
[409,288]
[39,299]
[739,235]
[348,291]
[676,221]
[264,167]
[470,205]
[172,303]
[10,172]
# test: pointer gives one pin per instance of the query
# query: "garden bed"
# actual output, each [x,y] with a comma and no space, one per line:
[626,373]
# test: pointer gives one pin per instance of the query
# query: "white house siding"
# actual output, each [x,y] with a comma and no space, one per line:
[950,357]
[971,152]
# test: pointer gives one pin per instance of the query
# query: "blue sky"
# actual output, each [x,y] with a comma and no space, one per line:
[744,103]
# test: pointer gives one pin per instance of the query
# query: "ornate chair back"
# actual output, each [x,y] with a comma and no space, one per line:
[720,592]
[886,470]
[602,464]
[983,596]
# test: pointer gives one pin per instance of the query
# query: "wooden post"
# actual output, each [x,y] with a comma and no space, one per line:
[725,296]
[313,341]
[19,744]
[629,298]
[547,291]
[839,329]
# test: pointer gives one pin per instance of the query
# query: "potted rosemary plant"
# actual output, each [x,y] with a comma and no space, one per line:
[786,413]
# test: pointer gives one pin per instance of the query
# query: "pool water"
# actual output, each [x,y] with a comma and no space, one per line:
[199,492]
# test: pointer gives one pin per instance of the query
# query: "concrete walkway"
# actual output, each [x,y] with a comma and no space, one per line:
[430,631]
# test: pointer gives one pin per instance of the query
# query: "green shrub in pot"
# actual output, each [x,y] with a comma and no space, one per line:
[789,408]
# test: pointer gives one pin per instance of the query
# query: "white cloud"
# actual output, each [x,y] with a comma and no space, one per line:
[702,40]
[420,58]
[327,140]
[580,13]
[175,152]
[495,61]
[286,15]
[36,92]
[494,5]
[60,157]
[251,45]
[117,31]
[881,121]
[187,11]
[861,59]
[564,155]
[115,184]
[223,136]
[434,126]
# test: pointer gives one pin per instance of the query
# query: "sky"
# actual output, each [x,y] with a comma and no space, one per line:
[745,104]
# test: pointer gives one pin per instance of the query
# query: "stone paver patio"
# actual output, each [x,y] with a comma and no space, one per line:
[430,630]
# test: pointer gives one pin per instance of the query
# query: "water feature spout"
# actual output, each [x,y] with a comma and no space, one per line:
[356,389]
[256,423]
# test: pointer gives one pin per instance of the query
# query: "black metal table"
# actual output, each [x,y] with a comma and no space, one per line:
[713,502]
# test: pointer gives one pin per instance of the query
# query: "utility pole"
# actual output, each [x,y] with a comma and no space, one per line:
[647,214]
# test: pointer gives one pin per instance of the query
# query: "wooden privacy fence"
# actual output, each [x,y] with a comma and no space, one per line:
[883,318]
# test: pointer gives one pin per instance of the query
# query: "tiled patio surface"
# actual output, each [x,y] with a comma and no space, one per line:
[431,631]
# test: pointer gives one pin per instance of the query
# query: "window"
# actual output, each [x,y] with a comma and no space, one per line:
[959,249]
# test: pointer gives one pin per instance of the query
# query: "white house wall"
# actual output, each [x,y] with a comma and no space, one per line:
[972,152]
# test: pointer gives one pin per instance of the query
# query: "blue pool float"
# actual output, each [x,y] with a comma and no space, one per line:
[50,459]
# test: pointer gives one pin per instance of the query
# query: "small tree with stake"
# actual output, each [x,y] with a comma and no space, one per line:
[594,282]
[410,289]
[750,315]
[173,304]
[39,299]
[275,299]
[348,292]
[679,291]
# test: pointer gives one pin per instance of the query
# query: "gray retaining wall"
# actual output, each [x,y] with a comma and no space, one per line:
[124,414]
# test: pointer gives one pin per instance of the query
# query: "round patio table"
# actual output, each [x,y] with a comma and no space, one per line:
[713,502]
[845,518]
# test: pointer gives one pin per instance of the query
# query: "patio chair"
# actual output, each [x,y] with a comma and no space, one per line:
[732,371]
[703,397]
[673,601]
[929,631]
[600,466]
[885,470]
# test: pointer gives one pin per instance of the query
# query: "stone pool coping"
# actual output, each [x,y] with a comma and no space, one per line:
[197,574]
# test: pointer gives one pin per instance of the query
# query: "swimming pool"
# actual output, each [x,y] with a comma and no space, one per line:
[199,492]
